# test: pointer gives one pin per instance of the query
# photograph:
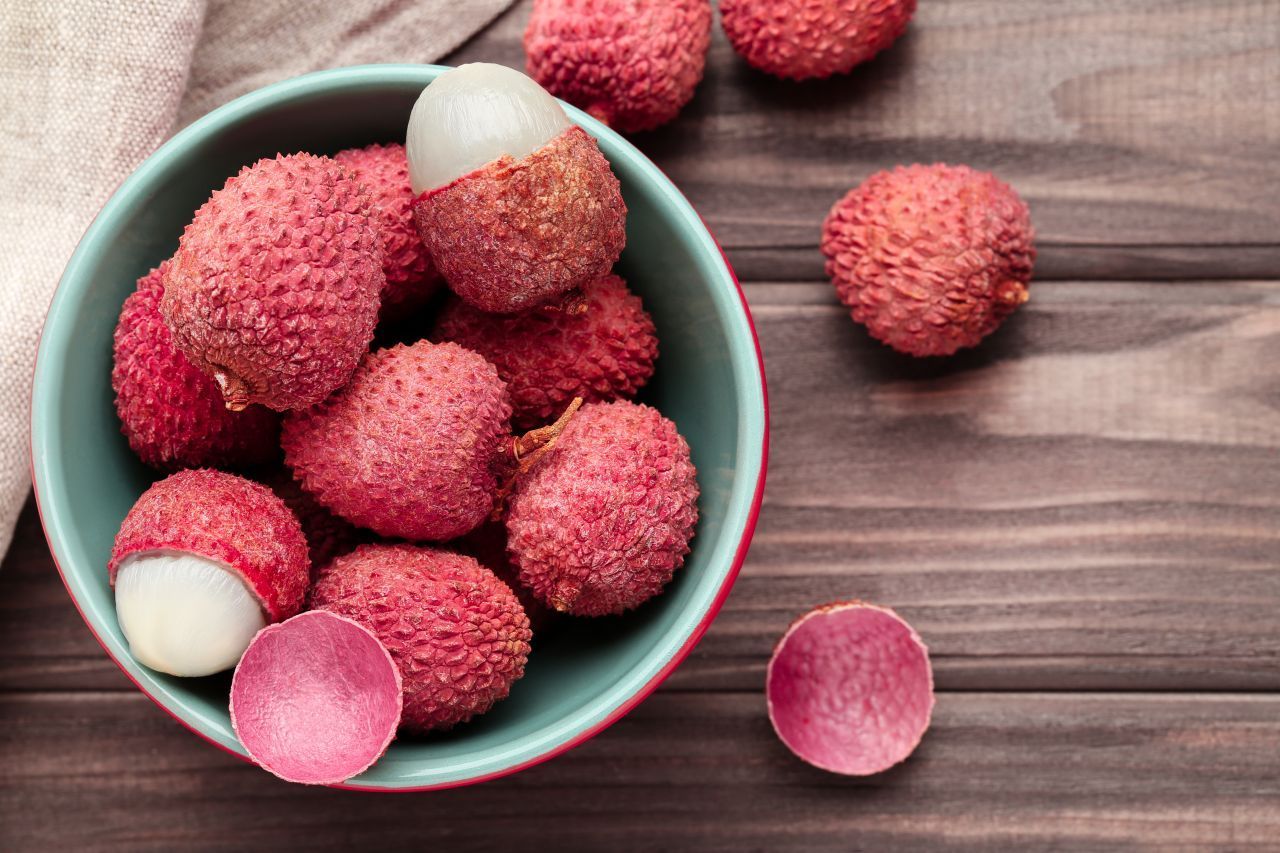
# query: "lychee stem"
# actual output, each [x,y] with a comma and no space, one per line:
[528,449]
[234,391]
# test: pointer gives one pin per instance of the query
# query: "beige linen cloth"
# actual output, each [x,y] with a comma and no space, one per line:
[88,88]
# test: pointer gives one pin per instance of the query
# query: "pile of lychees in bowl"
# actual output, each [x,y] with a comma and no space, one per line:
[390,395]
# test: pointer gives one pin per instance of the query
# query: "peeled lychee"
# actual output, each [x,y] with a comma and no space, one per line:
[800,39]
[411,277]
[202,561]
[274,290]
[412,447]
[328,535]
[516,205]
[549,356]
[600,523]
[633,64]
[850,688]
[457,633]
[172,413]
[316,699]
[930,259]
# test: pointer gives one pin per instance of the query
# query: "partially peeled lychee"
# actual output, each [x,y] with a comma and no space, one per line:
[516,205]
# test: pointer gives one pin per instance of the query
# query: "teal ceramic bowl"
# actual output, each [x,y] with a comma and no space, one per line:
[710,380]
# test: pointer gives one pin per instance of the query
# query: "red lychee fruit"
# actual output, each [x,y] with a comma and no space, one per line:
[411,447]
[516,205]
[202,561]
[411,277]
[171,413]
[801,39]
[850,688]
[549,356]
[930,259]
[457,633]
[600,523]
[633,64]
[328,535]
[316,699]
[274,290]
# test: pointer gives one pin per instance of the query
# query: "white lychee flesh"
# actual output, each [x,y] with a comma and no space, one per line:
[474,114]
[185,615]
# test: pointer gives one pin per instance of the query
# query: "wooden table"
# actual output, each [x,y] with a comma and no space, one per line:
[1081,517]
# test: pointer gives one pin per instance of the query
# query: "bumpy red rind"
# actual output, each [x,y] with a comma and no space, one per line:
[515,234]
[229,520]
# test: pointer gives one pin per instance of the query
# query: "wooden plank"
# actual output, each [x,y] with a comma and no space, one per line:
[1128,127]
[684,771]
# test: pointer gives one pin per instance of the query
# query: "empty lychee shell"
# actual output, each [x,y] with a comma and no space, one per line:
[316,699]
[850,689]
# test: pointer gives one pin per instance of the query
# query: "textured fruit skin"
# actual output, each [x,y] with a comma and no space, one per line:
[412,447]
[802,39]
[411,277]
[328,536]
[547,356]
[172,413]
[930,259]
[633,64]
[600,523]
[515,234]
[276,283]
[227,519]
[457,633]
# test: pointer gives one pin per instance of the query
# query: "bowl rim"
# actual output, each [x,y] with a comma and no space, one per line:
[319,82]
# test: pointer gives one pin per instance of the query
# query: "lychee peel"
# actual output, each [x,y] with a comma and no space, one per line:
[850,688]
[802,39]
[316,699]
[602,521]
[274,290]
[549,356]
[228,520]
[412,447]
[411,277]
[931,259]
[633,64]
[457,633]
[172,413]
[515,234]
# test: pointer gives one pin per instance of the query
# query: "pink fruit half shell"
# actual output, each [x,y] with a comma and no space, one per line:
[850,688]
[316,699]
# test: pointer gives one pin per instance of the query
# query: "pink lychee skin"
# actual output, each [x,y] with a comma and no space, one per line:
[803,39]
[328,535]
[601,522]
[931,259]
[458,634]
[850,688]
[412,447]
[412,279]
[229,520]
[275,288]
[171,413]
[549,356]
[515,234]
[316,699]
[633,64]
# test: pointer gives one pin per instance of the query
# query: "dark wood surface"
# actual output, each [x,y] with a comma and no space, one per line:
[1081,517]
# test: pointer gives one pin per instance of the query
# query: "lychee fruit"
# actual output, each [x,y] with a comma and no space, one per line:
[316,699]
[802,39]
[171,413]
[411,277]
[328,535]
[850,688]
[549,356]
[412,447]
[600,523]
[633,64]
[457,633]
[274,290]
[202,561]
[516,205]
[930,259]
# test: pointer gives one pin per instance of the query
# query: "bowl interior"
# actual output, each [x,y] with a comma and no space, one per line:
[583,673]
